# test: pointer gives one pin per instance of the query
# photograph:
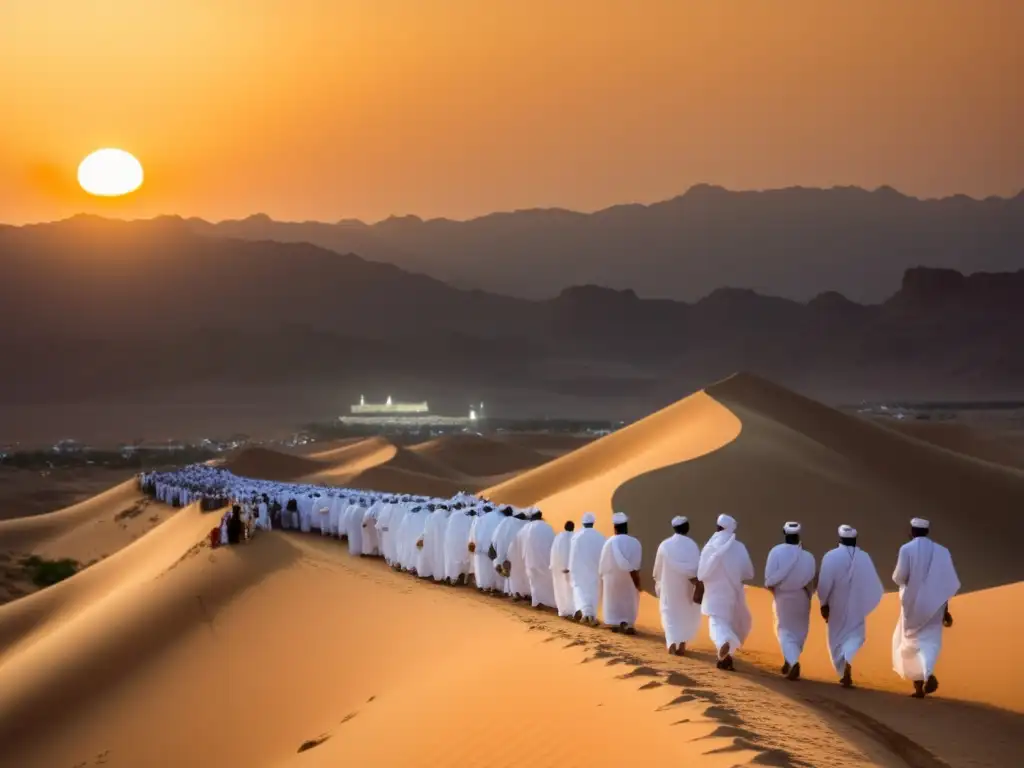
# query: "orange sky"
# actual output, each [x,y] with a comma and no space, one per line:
[326,109]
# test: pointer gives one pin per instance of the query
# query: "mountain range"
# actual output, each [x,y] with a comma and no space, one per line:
[94,308]
[794,243]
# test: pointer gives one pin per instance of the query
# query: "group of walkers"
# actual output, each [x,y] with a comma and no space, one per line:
[510,551]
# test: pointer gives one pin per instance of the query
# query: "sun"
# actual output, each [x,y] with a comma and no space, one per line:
[110,173]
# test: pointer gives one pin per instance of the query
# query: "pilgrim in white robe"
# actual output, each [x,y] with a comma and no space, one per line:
[481,536]
[849,585]
[675,564]
[426,557]
[539,540]
[456,545]
[620,556]
[561,547]
[371,544]
[436,535]
[386,522]
[415,524]
[401,532]
[724,565]
[584,560]
[519,579]
[789,575]
[927,580]
[306,513]
[263,516]
[503,537]
[354,528]
[338,507]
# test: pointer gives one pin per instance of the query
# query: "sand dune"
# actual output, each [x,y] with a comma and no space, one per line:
[545,443]
[86,532]
[271,465]
[479,456]
[1006,448]
[202,659]
[766,455]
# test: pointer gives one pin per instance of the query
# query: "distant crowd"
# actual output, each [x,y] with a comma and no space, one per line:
[509,551]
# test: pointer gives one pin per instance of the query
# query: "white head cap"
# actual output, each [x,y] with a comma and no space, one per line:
[679,520]
[589,518]
[727,522]
[920,522]
[791,528]
[619,518]
[847,532]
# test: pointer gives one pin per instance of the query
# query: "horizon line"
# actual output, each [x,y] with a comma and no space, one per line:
[699,187]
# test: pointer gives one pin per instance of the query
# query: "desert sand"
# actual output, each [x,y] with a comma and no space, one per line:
[287,651]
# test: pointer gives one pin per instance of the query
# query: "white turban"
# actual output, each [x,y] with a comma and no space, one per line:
[791,528]
[847,532]
[589,518]
[920,522]
[619,518]
[679,520]
[727,522]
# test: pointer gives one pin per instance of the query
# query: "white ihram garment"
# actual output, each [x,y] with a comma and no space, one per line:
[481,536]
[849,585]
[539,540]
[789,573]
[456,544]
[724,565]
[584,559]
[675,563]
[927,580]
[561,548]
[620,556]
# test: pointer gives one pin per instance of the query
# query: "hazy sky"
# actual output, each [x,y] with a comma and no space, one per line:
[327,109]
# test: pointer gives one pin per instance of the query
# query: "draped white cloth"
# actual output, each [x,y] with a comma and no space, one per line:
[396,521]
[724,565]
[481,535]
[371,542]
[263,516]
[437,536]
[305,504]
[675,564]
[415,525]
[927,580]
[519,579]
[561,548]
[354,528]
[337,507]
[384,537]
[433,544]
[584,561]
[539,540]
[620,556]
[456,544]
[789,573]
[849,585]
[503,537]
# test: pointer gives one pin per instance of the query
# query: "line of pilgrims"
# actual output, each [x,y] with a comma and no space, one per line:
[505,550]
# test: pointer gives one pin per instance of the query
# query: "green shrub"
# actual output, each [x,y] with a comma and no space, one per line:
[47,572]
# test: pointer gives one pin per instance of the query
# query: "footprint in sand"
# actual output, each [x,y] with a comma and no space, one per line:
[307,745]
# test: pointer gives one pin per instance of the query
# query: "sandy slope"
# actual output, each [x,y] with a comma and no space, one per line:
[86,532]
[766,455]
[440,467]
[1006,448]
[151,659]
[478,456]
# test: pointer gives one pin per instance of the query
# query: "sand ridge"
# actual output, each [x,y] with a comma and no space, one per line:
[201,651]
